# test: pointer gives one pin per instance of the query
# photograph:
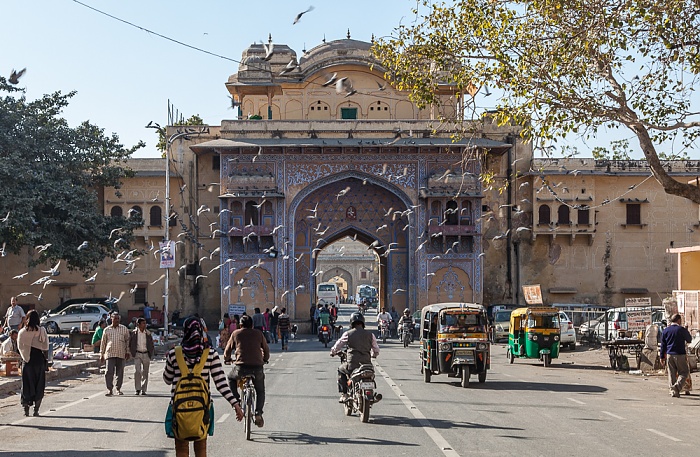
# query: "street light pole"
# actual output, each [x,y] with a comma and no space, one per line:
[166,235]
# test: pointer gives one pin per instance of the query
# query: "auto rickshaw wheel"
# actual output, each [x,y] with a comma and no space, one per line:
[482,377]
[426,375]
[465,377]
[510,355]
[547,360]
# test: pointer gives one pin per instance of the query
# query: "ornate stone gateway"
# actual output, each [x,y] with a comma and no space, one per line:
[322,165]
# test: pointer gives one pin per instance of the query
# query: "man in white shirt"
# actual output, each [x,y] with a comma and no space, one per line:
[143,350]
[15,315]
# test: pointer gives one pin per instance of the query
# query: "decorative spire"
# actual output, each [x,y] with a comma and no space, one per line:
[269,38]
[324,37]
[372,39]
[348,34]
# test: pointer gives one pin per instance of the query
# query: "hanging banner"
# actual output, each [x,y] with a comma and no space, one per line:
[167,254]
[532,294]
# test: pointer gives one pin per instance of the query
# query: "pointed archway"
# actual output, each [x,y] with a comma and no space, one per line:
[363,207]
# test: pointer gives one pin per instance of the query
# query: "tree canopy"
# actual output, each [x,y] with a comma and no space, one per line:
[52,175]
[564,66]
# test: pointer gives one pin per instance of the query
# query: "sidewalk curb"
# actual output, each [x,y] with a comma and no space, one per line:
[15,385]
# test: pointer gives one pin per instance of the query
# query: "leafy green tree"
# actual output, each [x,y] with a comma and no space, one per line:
[193,120]
[51,176]
[564,66]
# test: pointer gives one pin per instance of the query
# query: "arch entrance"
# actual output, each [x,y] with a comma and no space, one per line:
[365,209]
[337,273]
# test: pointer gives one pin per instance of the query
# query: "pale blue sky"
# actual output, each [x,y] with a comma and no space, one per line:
[124,76]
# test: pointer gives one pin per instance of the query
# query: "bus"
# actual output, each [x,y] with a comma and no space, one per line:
[327,293]
[366,291]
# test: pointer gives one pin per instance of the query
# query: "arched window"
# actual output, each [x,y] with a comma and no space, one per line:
[563,215]
[156,218]
[545,215]
[136,212]
[251,214]
[451,213]
[116,211]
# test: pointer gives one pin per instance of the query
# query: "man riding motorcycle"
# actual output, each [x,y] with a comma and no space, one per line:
[407,319]
[324,319]
[362,346]
[383,316]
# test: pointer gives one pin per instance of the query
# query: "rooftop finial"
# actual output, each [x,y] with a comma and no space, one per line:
[324,37]
[348,34]
[372,40]
[269,38]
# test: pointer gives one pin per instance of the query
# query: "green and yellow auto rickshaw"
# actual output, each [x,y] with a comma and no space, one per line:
[534,334]
[454,340]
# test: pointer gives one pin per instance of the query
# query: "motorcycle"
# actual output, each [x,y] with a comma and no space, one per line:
[406,333]
[383,330]
[324,335]
[361,390]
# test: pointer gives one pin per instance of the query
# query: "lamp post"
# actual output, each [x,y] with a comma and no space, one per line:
[184,133]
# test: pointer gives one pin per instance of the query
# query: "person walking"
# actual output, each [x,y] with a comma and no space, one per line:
[32,340]
[284,326]
[97,336]
[141,346]
[14,316]
[673,355]
[114,349]
[192,349]
[258,320]
[274,321]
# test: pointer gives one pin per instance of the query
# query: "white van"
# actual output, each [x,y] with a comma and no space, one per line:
[327,293]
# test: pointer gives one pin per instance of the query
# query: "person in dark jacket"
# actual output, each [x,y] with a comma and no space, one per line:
[362,346]
[285,326]
[673,341]
[142,348]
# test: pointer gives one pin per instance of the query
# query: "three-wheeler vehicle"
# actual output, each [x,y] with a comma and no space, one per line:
[534,334]
[454,340]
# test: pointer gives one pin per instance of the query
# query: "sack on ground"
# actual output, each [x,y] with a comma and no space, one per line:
[191,403]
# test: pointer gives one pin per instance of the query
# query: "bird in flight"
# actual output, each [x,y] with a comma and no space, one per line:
[15,75]
[83,246]
[342,192]
[203,209]
[298,16]
[91,278]
[331,80]
[344,85]
[53,271]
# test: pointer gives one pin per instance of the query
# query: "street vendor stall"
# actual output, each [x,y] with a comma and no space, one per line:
[621,346]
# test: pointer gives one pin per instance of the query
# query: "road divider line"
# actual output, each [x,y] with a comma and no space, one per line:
[613,415]
[437,438]
[663,434]
[579,402]
[223,418]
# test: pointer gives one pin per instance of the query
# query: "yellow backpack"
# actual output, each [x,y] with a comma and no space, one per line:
[191,400]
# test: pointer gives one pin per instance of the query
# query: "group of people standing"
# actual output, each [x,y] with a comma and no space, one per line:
[275,325]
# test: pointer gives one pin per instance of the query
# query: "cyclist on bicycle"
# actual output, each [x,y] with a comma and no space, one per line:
[252,352]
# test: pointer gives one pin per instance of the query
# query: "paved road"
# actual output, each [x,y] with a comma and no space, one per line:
[569,409]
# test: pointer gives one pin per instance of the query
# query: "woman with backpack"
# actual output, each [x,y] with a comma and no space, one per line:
[191,354]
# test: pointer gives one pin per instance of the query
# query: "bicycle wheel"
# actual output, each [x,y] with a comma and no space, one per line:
[249,406]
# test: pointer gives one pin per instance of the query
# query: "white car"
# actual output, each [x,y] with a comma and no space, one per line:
[568,332]
[72,316]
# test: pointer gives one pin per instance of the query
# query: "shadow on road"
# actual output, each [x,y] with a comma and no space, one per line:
[437,423]
[91,453]
[306,439]
[529,386]
[106,419]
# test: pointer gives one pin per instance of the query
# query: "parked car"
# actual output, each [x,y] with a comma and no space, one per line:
[501,325]
[72,316]
[568,332]
[587,325]
[617,322]
[105,301]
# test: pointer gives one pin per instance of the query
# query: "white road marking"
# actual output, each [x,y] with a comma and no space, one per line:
[223,418]
[437,438]
[613,415]
[506,374]
[576,401]
[272,364]
[663,434]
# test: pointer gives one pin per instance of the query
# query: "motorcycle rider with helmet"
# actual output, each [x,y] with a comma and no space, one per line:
[362,346]
[406,319]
